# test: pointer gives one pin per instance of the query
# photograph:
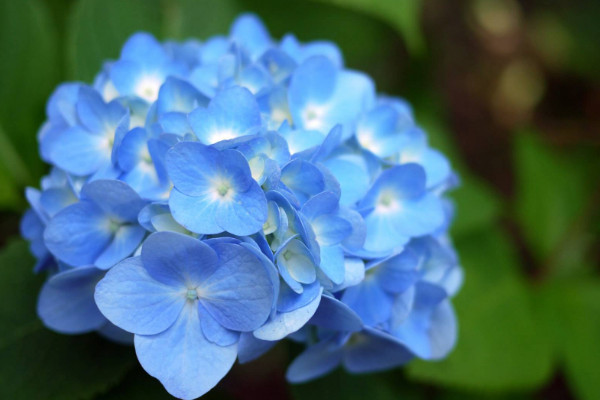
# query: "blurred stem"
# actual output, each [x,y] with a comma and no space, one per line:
[11,160]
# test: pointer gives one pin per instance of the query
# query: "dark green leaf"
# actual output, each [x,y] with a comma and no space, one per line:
[199,19]
[501,346]
[405,16]
[37,363]
[553,203]
[572,316]
[98,28]
[28,72]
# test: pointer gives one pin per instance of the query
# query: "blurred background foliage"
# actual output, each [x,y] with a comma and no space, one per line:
[509,89]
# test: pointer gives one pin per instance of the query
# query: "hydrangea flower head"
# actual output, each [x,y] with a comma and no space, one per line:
[209,199]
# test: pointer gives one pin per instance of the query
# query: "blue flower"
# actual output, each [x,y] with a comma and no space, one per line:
[333,227]
[209,199]
[398,207]
[101,229]
[249,32]
[383,129]
[143,67]
[322,96]
[214,191]
[367,351]
[186,302]
[373,298]
[87,147]
[231,114]
[141,159]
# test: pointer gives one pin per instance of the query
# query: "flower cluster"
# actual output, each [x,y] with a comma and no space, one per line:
[207,200]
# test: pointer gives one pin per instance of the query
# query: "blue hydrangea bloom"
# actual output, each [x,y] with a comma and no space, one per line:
[209,199]
[187,301]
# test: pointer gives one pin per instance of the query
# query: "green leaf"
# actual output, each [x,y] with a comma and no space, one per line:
[28,72]
[553,203]
[98,28]
[199,19]
[40,364]
[572,316]
[477,206]
[404,16]
[501,346]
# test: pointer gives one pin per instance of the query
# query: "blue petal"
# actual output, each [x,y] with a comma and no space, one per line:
[382,233]
[176,123]
[303,178]
[191,166]
[132,147]
[79,152]
[300,140]
[398,273]
[232,113]
[131,299]
[403,182]
[179,96]
[443,331]
[301,52]
[420,217]
[78,234]
[369,301]
[178,260]
[60,108]
[215,332]
[332,263]
[143,47]
[352,176]
[194,213]
[97,116]
[354,273]
[312,82]
[249,31]
[374,351]
[55,199]
[115,198]
[66,302]
[334,315]
[182,359]
[289,300]
[278,63]
[282,324]
[240,293]
[245,214]
[315,361]
[297,260]
[125,240]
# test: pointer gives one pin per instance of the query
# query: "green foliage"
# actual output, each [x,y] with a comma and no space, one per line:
[98,29]
[28,72]
[553,202]
[403,15]
[40,364]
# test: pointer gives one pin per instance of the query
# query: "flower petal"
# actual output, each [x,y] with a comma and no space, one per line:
[240,293]
[131,299]
[66,303]
[182,359]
